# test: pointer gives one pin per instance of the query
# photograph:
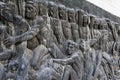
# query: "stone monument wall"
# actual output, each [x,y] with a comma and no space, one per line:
[89,7]
[48,41]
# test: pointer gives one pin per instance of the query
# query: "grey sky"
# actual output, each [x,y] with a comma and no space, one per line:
[112,6]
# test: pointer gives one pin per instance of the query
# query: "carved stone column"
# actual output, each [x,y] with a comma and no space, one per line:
[80,13]
[66,29]
[74,31]
[52,10]
[71,14]
[62,12]
[57,30]
[84,29]
[42,6]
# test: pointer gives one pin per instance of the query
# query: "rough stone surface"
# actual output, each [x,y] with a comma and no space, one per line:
[49,41]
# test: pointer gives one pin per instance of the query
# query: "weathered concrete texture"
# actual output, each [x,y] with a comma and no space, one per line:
[89,7]
[49,41]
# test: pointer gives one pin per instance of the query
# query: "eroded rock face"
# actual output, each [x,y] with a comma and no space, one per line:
[48,41]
